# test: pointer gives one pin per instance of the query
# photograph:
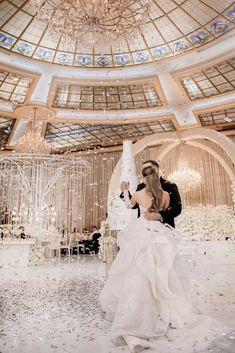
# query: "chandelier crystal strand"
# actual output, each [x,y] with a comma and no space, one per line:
[186,178]
[93,21]
[32,141]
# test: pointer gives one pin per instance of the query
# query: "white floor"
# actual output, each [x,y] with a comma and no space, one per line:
[55,308]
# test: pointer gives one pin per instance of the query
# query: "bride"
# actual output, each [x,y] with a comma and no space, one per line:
[143,295]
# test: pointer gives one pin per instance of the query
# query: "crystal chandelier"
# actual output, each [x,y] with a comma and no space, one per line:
[185,178]
[93,21]
[32,141]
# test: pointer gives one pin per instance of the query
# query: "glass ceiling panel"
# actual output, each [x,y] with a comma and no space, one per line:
[183,21]
[6,10]
[18,23]
[14,87]
[219,117]
[106,97]
[6,126]
[199,11]
[94,136]
[210,81]
[173,27]
[218,6]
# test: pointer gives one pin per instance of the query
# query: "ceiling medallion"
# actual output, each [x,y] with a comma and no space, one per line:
[96,21]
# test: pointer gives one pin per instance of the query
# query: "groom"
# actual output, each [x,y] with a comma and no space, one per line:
[175,207]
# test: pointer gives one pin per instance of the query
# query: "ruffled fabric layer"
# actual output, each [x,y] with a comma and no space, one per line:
[145,297]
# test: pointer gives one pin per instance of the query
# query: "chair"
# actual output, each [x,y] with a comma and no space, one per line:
[54,244]
[68,245]
[80,246]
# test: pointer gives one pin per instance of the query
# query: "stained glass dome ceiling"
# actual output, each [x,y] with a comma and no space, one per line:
[173,27]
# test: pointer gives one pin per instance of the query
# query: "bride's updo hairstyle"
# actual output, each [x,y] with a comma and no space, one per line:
[153,187]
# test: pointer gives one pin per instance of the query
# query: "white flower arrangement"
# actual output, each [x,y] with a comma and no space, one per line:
[108,242]
[110,248]
[104,227]
[233,192]
[203,223]
[37,255]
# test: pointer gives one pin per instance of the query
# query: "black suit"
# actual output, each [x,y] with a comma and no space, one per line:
[95,242]
[175,206]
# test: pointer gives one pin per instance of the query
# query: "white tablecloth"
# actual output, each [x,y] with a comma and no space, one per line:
[15,252]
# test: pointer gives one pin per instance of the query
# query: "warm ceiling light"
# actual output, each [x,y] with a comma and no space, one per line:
[186,178]
[32,141]
[93,21]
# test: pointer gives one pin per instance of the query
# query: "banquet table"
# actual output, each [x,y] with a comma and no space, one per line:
[15,252]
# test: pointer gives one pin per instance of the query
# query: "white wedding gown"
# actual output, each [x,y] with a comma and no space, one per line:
[144,295]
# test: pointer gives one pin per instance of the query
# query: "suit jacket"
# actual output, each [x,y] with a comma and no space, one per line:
[95,236]
[175,206]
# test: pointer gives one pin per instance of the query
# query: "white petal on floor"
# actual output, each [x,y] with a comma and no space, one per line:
[55,308]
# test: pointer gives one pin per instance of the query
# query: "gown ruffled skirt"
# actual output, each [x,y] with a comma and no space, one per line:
[144,295]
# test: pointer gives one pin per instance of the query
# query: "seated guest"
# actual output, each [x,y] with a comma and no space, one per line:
[5,231]
[73,241]
[85,234]
[73,237]
[85,239]
[15,231]
[65,237]
[11,232]
[22,233]
[95,235]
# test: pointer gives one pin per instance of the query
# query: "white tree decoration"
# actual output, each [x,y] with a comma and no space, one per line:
[28,187]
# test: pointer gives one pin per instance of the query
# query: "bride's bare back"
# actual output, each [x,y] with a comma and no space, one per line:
[143,199]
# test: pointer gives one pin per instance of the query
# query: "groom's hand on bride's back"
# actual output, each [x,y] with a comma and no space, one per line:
[152,216]
[124,185]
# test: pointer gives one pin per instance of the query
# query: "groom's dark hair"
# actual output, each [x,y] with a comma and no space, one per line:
[154,163]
